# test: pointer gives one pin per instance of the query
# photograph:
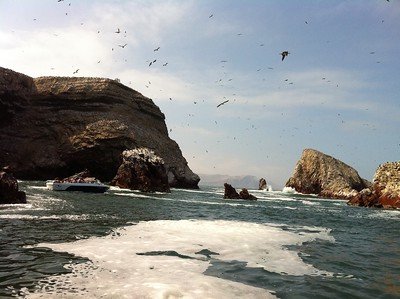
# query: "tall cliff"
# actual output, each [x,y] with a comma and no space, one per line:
[57,126]
[317,173]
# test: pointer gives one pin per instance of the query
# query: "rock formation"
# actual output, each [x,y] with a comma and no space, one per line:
[141,170]
[9,193]
[56,126]
[317,173]
[385,191]
[231,193]
[262,185]
[244,194]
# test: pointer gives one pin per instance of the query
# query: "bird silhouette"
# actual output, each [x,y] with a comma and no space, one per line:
[76,71]
[122,46]
[118,31]
[284,54]
[224,102]
[165,64]
[156,49]
[210,16]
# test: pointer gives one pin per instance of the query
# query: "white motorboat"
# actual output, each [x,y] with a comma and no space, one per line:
[95,187]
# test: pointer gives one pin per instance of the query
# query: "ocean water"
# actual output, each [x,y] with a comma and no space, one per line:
[195,244]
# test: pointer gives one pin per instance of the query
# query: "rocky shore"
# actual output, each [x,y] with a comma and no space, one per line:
[57,126]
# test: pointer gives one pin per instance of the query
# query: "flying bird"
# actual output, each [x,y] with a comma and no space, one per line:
[156,49]
[118,31]
[122,46]
[76,71]
[284,54]
[224,102]
[210,16]
[165,64]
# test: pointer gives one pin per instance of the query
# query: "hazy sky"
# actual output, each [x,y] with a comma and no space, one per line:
[337,91]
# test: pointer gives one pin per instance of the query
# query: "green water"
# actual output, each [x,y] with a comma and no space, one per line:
[362,254]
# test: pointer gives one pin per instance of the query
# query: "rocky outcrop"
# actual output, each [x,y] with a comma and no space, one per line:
[231,193]
[244,194]
[385,191]
[262,185]
[317,173]
[9,193]
[141,170]
[56,126]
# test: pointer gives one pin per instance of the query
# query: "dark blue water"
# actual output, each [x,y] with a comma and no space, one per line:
[361,255]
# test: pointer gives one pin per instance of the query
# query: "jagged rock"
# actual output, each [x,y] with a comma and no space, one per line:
[56,126]
[262,184]
[385,191]
[231,193]
[244,194]
[141,170]
[317,173]
[9,193]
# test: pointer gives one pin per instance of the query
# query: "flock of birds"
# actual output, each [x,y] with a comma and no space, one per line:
[283,56]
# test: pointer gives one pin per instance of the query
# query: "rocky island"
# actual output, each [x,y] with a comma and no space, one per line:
[318,173]
[57,126]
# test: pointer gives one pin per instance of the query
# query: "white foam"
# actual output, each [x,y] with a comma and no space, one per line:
[72,217]
[310,203]
[118,272]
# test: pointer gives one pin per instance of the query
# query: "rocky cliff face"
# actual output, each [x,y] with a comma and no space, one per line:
[56,126]
[317,173]
[385,191]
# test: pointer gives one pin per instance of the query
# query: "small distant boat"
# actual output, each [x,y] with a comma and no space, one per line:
[94,187]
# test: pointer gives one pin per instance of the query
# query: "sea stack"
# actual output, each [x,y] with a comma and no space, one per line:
[57,126]
[318,173]
[141,170]
[262,185]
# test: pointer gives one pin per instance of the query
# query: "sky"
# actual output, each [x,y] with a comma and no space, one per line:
[337,91]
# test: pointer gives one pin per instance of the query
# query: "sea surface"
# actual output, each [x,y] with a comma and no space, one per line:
[195,244]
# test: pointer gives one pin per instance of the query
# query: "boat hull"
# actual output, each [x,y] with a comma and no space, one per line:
[83,187]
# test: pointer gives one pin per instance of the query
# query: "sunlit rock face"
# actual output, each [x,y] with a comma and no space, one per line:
[385,191]
[317,173]
[142,170]
[57,126]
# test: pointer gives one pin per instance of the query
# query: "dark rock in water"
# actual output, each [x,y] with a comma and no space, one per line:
[262,184]
[56,126]
[9,193]
[230,193]
[317,173]
[244,194]
[141,170]
[385,191]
